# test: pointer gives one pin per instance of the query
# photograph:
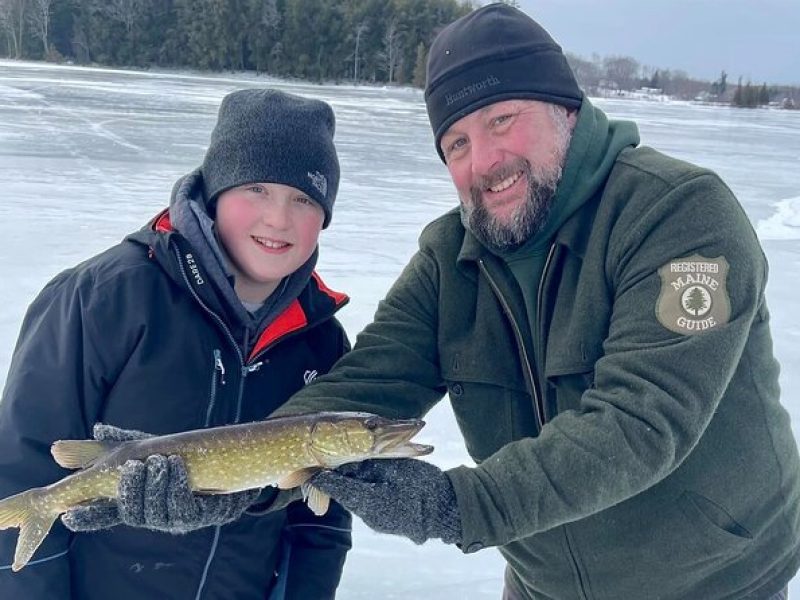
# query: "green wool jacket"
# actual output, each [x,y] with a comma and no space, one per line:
[647,455]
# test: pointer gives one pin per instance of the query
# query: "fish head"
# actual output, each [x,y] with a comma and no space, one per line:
[339,438]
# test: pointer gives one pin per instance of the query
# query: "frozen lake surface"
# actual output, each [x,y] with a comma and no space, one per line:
[89,155]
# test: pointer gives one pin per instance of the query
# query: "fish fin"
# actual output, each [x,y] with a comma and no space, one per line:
[297,478]
[20,511]
[317,500]
[14,509]
[79,454]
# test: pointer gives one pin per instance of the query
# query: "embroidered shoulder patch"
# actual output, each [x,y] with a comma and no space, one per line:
[694,297]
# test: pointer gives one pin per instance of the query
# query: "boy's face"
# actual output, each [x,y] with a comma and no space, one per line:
[268,230]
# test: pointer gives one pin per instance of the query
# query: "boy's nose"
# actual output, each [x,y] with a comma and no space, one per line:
[277,215]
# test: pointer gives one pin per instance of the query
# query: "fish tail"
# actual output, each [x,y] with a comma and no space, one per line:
[24,512]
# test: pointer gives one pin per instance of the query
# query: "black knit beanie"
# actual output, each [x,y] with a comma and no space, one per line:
[269,136]
[492,54]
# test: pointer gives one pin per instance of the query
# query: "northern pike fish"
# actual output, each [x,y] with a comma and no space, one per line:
[284,452]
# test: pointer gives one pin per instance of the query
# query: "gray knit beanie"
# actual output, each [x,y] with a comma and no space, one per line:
[269,136]
[493,54]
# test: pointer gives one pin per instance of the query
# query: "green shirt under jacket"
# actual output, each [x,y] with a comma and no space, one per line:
[666,466]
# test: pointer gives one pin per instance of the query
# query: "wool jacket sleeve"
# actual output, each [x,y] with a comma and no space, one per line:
[317,550]
[54,385]
[393,369]
[655,390]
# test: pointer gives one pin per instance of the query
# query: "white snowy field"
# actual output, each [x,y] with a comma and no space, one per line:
[89,155]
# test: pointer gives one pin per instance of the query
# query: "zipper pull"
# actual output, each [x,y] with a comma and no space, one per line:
[247,369]
[219,366]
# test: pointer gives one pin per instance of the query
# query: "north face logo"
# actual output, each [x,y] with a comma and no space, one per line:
[319,181]
[309,376]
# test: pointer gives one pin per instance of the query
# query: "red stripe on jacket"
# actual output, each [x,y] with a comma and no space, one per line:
[291,319]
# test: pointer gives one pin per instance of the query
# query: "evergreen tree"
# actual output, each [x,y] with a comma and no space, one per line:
[719,87]
[655,81]
[314,39]
[763,95]
[695,301]
[263,34]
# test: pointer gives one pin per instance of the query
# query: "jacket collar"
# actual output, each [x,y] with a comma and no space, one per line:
[316,303]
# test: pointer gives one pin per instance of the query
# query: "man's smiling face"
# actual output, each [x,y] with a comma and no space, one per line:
[506,160]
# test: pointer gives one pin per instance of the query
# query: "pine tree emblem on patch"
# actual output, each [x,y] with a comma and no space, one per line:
[693,297]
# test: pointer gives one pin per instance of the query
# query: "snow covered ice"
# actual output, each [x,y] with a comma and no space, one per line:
[89,155]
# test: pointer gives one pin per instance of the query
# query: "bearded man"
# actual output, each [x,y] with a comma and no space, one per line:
[595,311]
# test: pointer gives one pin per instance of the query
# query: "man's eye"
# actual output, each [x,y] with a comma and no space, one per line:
[256,189]
[500,120]
[303,200]
[456,144]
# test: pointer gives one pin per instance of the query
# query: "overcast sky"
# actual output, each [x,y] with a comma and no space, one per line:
[757,39]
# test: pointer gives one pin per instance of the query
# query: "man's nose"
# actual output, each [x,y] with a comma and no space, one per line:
[485,154]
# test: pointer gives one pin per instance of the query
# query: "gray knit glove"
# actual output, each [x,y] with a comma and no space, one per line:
[155,494]
[402,496]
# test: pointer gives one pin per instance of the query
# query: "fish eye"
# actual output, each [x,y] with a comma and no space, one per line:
[371,424]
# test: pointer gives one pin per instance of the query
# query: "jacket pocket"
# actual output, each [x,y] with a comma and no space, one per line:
[569,372]
[677,538]
[490,416]
[720,530]
[565,390]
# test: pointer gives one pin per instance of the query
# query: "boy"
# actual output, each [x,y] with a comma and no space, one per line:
[210,315]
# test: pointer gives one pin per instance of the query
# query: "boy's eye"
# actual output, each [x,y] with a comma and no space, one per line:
[303,200]
[257,189]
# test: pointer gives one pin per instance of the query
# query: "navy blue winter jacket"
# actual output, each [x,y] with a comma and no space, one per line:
[138,337]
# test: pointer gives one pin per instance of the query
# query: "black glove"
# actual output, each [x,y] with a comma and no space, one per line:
[155,494]
[402,496]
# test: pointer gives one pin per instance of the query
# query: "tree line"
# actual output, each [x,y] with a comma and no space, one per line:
[610,74]
[321,40]
[376,41]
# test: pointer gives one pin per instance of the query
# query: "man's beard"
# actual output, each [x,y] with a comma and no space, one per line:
[525,221]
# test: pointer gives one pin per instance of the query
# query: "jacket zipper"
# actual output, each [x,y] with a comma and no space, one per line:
[540,334]
[539,305]
[528,371]
[526,362]
[245,370]
[218,376]
[218,366]
[210,312]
